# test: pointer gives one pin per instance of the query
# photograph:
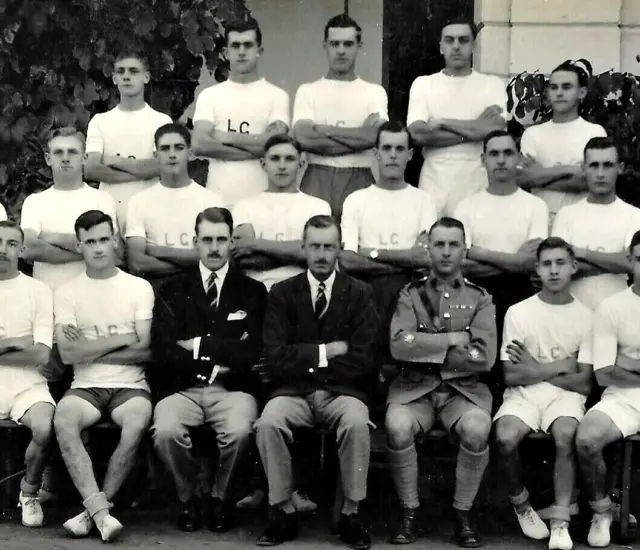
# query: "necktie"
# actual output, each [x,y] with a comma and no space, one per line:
[321,302]
[212,291]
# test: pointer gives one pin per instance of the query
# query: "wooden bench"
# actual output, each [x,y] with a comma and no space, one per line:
[625,485]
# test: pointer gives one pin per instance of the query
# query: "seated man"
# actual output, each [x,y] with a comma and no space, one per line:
[319,334]
[26,331]
[546,356]
[103,321]
[444,334]
[206,336]
[616,362]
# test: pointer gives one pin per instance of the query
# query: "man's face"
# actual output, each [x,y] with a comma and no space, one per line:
[213,243]
[564,92]
[282,163]
[447,250]
[634,258]
[130,76]
[97,246]
[10,249]
[601,169]
[342,47]
[555,267]
[456,46]
[321,247]
[243,51]
[65,156]
[501,159]
[172,153]
[393,154]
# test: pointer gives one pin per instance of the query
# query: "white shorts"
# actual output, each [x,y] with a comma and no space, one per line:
[539,405]
[20,389]
[622,406]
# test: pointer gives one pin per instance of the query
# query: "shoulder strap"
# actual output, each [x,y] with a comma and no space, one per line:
[421,302]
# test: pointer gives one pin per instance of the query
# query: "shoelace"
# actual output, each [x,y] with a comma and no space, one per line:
[529,517]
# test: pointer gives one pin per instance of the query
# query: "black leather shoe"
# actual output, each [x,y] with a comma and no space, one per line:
[189,518]
[408,529]
[281,528]
[353,533]
[221,517]
[465,535]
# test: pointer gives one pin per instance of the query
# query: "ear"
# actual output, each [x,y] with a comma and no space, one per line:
[360,44]
[194,241]
[47,158]
[574,267]
[225,52]
[302,163]
[263,163]
[147,77]
[620,168]
[483,158]
[260,50]
[410,154]
[78,246]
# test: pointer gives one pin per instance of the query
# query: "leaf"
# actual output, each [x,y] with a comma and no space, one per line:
[174,7]
[519,88]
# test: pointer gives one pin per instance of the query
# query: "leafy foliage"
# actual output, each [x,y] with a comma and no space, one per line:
[56,64]
[613,101]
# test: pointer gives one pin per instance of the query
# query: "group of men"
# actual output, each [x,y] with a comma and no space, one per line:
[160,295]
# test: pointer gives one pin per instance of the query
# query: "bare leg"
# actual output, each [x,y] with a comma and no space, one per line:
[39,419]
[563,431]
[510,431]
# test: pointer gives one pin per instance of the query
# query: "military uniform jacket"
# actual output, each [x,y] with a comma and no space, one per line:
[425,313]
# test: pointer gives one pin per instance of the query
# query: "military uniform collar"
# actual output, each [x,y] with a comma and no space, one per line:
[439,284]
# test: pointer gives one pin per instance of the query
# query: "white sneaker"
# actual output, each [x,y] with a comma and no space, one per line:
[110,529]
[302,503]
[252,501]
[560,538]
[32,515]
[531,524]
[79,526]
[600,531]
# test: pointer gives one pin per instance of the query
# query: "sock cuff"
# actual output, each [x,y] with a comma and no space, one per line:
[601,506]
[402,457]
[96,503]
[471,459]
[520,499]
[560,513]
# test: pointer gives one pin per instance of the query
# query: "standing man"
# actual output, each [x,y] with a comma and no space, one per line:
[553,151]
[599,227]
[26,331]
[103,321]
[450,114]
[234,119]
[120,141]
[3,213]
[268,234]
[206,336]
[616,362]
[336,119]
[160,219]
[546,356]
[319,334]
[443,333]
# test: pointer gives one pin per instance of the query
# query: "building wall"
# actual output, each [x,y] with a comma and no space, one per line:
[539,34]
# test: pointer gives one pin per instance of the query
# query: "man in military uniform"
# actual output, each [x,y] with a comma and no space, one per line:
[443,334]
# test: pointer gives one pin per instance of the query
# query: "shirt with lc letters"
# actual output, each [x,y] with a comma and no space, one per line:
[100,308]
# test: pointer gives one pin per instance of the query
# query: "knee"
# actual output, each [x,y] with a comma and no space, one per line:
[564,438]
[134,428]
[239,432]
[64,424]
[42,431]
[507,438]
[164,432]
[474,430]
[399,427]
[587,441]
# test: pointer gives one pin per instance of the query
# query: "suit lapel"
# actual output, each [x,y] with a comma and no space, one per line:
[338,302]
[227,294]
[304,305]
[198,294]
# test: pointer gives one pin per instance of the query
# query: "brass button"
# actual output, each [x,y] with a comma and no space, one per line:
[446,295]
[311,371]
[447,315]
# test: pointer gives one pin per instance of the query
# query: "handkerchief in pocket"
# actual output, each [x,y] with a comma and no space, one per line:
[237,315]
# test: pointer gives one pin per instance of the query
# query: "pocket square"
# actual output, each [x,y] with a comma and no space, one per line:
[237,315]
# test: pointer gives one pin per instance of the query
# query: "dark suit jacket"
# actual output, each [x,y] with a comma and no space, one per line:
[231,336]
[292,337]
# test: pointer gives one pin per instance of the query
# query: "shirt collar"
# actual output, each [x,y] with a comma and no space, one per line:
[205,273]
[328,283]
[438,284]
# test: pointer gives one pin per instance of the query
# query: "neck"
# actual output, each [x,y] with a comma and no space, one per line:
[502,188]
[602,199]
[565,117]
[175,181]
[8,275]
[346,76]
[244,78]
[392,184]
[556,298]
[70,185]
[292,188]
[636,288]
[131,103]
[447,279]
[322,277]
[102,273]
[463,71]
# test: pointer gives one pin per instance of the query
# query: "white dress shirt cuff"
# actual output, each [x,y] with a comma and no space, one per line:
[196,347]
[322,356]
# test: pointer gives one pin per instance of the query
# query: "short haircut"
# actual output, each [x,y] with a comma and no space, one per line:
[215,215]
[90,219]
[461,21]
[321,221]
[133,54]
[65,131]
[635,241]
[12,225]
[601,143]
[172,128]
[569,67]
[449,223]
[551,243]
[394,127]
[280,139]
[243,25]
[497,134]
[342,21]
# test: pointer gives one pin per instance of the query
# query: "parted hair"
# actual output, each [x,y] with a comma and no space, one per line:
[496,134]
[449,223]
[90,219]
[600,143]
[395,127]
[475,29]
[172,128]
[243,25]
[551,243]
[342,21]
[215,215]
[279,139]
[569,67]
[321,221]
[64,131]
[133,53]
[12,225]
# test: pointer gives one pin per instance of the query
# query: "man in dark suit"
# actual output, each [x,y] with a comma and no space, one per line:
[206,335]
[319,333]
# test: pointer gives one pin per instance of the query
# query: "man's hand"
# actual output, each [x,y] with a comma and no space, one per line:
[529,162]
[461,339]
[528,253]
[493,113]
[186,344]
[423,239]
[335,349]
[371,121]
[244,246]
[73,333]
[519,355]
[16,344]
